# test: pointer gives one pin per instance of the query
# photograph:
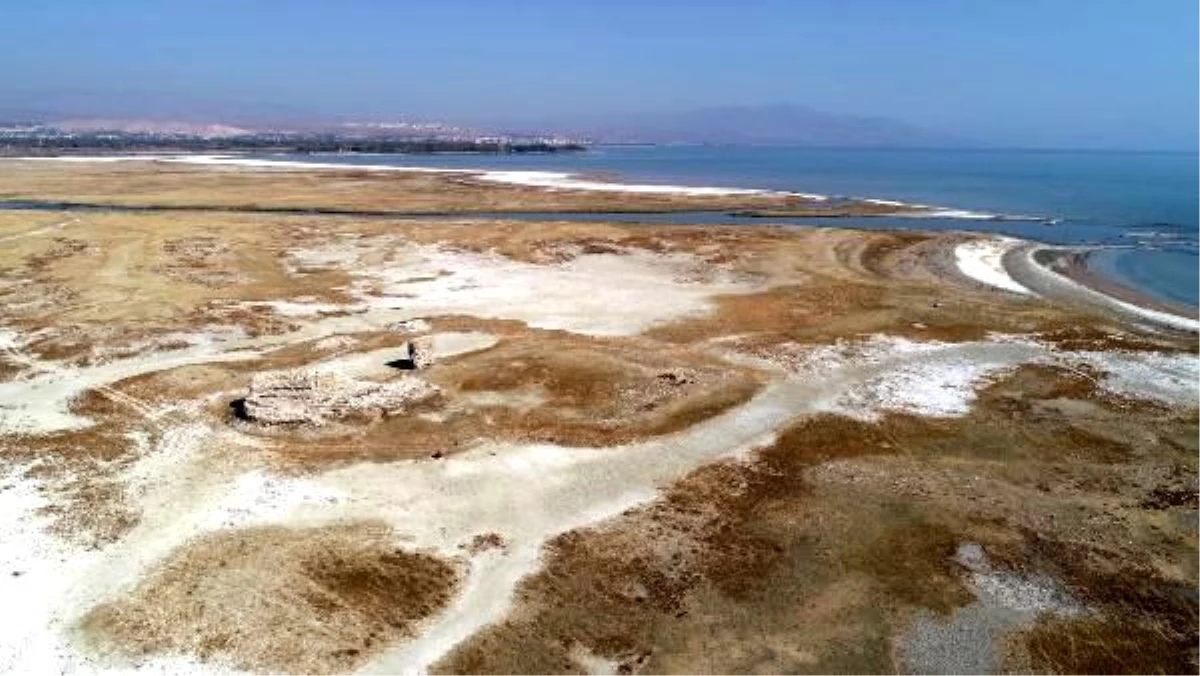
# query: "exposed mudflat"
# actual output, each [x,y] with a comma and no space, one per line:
[315,444]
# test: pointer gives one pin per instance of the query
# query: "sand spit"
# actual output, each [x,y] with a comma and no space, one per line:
[536,179]
[983,261]
[916,210]
[1032,272]
[1011,265]
[554,180]
[233,161]
[546,180]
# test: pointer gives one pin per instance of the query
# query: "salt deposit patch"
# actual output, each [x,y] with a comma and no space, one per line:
[921,378]
[983,261]
[638,291]
[35,572]
[597,294]
[8,339]
[593,663]
[555,180]
[259,498]
[945,383]
[947,386]
[945,389]
[965,642]
[41,578]
[237,161]
[41,403]
[1031,594]
[1159,376]
[538,179]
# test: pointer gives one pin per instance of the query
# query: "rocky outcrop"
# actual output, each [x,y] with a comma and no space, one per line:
[305,398]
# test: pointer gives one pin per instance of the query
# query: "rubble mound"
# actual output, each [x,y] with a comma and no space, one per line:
[300,397]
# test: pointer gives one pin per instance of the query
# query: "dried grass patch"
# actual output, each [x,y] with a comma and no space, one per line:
[278,600]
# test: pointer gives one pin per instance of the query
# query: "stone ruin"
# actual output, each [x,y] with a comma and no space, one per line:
[420,352]
[307,398]
[418,355]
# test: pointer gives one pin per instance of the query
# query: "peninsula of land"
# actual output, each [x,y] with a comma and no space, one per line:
[273,417]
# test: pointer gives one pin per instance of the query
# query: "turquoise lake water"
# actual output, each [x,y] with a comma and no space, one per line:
[1140,208]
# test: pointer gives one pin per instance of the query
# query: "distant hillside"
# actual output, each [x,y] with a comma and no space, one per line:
[204,130]
[773,124]
[781,124]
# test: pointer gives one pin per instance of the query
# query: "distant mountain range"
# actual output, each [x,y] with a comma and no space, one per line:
[781,124]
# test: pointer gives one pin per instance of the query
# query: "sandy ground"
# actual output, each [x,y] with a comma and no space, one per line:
[1027,264]
[927,458]
[983,260]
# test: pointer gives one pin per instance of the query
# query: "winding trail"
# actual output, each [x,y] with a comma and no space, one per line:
[42,230]
[529,494]
[198,477]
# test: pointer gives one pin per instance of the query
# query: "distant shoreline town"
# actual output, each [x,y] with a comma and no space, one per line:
[120,136]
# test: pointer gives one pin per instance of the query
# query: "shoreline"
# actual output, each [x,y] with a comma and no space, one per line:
[1059,272]
[1072,267]
[1075,266]
[548,180]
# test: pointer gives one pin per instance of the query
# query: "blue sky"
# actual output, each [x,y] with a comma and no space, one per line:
[1065,73]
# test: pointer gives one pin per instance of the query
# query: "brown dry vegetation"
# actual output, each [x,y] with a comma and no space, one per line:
[130,277]
[175,185]
[541,386]
[276,600]
[831,284]
[812,557]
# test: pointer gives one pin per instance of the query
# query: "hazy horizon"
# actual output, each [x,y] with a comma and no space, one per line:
[1053,74]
